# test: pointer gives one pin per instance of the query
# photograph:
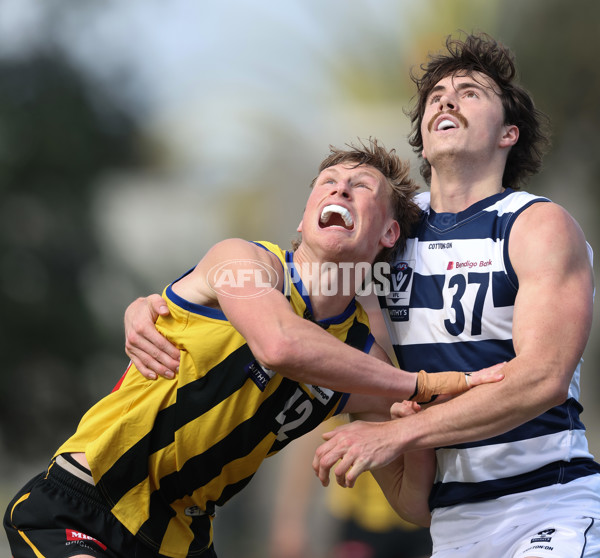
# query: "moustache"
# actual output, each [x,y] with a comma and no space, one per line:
[463,121]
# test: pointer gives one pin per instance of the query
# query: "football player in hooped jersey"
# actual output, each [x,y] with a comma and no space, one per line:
[491,273]
[269,349]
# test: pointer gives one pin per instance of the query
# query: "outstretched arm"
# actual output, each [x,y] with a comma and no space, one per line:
[549,254]
[406,480]
[279,338]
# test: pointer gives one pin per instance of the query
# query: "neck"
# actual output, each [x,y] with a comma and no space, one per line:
[455,190]
[331,286]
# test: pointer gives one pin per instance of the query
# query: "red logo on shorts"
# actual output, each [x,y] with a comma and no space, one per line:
[78,536]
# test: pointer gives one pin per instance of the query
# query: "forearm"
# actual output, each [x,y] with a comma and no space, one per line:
[407,481]
[333,364]
[490,410]
[547,348]
[308,354]
[419,475]
[407,484]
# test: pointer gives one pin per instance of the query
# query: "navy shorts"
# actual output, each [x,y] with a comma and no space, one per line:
[58,515]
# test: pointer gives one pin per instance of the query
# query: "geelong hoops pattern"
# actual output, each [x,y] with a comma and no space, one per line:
[453,303]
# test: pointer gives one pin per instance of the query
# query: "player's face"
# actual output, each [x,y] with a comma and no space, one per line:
[463,115]
[348,211]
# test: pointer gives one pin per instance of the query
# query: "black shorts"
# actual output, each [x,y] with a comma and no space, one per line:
[57,515]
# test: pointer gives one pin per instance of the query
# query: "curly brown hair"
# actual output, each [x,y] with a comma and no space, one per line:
[397,174]
[481,53]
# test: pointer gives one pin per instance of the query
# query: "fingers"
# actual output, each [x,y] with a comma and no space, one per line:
[348,470]
[158,306]
[329,453]
[404,408]
[151,353]
[348,467]
[486,375]
[430,385]
[353,449]
[321,466]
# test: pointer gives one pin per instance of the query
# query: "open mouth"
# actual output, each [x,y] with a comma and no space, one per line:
[446,124]
[449,120]
[336,215]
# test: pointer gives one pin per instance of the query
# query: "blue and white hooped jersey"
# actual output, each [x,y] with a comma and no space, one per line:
[451,301]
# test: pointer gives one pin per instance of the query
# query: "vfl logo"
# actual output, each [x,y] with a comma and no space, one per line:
[242,278]
[401,276]
[401,284]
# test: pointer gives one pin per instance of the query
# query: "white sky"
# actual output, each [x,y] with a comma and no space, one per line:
[170,49]
[212,79]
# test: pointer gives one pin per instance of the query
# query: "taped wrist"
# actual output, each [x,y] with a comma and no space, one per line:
[430,385]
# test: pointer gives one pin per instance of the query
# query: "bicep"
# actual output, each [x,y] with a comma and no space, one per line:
[553,308]
[247,283]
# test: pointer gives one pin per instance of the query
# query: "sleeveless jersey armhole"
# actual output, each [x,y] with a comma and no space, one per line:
[283,270]
[510,272]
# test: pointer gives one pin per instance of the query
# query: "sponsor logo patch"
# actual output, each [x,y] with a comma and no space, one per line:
[468,264]
[323,395]
[543,536]
[197,511]
[259,374]
[78,536]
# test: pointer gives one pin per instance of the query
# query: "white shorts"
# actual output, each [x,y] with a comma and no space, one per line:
[576,537]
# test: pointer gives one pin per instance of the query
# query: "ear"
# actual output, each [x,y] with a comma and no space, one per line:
[391,235]
[510,136]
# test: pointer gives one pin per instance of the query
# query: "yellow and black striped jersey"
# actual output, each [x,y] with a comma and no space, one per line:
[164,453]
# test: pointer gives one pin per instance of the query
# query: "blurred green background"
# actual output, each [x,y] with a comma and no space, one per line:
[134,135]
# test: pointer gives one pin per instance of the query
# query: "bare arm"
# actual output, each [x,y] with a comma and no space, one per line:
[153,355]
[278,337]
[407,481]
[552,320]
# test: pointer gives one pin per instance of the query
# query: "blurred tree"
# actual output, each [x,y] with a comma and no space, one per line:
[556,46]
[58,135]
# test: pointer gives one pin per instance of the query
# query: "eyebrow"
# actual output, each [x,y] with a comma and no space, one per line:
[459,87]
[360,174]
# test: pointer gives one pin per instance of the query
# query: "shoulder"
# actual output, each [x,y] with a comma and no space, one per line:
[548,219]
[239,251]
[237,261]
[546,235]
[240,246]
